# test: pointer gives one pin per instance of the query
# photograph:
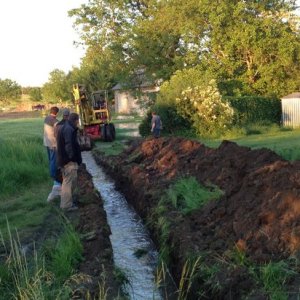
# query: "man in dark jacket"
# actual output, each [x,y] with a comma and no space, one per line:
[68,159]
[60,124]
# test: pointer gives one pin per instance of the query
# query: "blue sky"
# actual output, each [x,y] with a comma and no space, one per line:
[36,38]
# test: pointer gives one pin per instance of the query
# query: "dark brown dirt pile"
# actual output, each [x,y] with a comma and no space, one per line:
[260,211]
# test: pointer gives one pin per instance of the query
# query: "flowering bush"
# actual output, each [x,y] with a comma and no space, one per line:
[210,115]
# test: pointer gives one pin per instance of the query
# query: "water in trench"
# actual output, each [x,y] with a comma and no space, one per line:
[128,236]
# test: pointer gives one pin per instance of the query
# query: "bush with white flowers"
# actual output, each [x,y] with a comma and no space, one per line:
[210,115]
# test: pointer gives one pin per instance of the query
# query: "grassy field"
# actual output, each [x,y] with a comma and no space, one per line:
[24,177]
[284,141]
[25,215]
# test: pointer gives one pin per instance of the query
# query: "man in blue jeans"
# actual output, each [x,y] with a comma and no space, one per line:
[50,144]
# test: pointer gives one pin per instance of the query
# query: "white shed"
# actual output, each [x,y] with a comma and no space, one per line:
[290,105]
[126,100]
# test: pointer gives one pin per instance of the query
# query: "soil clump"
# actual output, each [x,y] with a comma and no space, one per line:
[258,214]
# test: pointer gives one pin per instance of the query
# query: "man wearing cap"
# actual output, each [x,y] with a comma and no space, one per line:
[60,124]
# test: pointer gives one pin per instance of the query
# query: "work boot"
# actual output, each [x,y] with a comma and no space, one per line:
[55,192]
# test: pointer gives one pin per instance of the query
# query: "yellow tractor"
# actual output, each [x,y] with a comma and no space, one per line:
[94,117]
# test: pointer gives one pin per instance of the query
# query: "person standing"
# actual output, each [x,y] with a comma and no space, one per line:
[156,125]
[50,144]
[58,125]
[68,159]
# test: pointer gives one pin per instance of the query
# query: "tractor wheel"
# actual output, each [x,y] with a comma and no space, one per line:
[112,130]
[103,132]
[108,133]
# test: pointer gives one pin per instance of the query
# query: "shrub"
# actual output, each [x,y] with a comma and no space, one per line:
[255,109]
[180,81]
[203,105]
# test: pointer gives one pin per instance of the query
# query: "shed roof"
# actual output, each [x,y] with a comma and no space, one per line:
[292,96]
[119,86]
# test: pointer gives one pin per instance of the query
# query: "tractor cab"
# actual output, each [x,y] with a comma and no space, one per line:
[93,113]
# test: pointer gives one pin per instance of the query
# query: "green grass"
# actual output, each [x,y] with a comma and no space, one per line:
[284,141]
[24,186]
[24,175]
[122,135]
[66,254]
[274,276]
[188,195]
[21,129]
[39,276]
[112,148]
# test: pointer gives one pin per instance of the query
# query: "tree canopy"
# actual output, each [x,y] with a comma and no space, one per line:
[9,90]
[249,47]
[57,88]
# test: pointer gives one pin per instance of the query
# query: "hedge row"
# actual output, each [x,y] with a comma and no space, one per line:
[255,109]
[247,110]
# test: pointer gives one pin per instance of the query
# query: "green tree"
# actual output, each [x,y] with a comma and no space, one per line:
[35,94]
[181,80]
[57,88]
[253,48]
[250,47]
[9,90]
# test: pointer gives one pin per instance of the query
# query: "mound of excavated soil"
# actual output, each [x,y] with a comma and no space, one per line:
[259,212]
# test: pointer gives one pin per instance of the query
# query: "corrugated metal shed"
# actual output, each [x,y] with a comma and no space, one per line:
[291,110]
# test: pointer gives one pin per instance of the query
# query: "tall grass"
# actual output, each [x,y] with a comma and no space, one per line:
[274,276]
[29,276]
[66,254]
[24,175]
[23,164]
[23,157]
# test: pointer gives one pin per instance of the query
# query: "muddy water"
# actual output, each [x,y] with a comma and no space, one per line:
[128,237]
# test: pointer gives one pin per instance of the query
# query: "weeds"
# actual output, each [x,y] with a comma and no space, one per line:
[28,276]
[66,254]
[189,270]
[188,195]
[274,275]
[120,276]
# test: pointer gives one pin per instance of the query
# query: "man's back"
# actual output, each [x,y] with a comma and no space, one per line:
[68,148]
[49,138]
[156,121]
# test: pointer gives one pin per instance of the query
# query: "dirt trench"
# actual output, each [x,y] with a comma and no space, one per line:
[259,213]
[97,267]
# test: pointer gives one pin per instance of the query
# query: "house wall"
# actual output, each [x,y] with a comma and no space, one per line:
[125,101]
[291,112]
